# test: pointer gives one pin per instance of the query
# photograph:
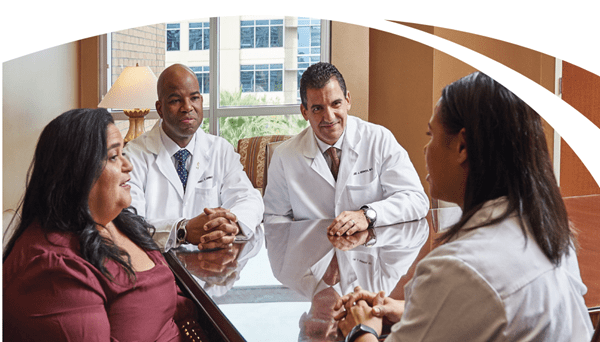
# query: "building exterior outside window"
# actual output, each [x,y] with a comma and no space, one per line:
[261,77]
[199,36]
[203,77]
[309,45]
[173,37]
[261,33]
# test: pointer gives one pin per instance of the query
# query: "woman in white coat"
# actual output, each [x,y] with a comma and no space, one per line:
[507,271]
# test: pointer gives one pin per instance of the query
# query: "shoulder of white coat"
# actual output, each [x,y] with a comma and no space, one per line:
[145,143]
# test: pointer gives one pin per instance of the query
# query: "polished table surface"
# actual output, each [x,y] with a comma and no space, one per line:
[281,284]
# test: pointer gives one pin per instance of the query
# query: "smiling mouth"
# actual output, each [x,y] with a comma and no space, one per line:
[329,125]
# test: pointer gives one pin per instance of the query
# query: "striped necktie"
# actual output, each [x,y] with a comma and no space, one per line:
[335,161]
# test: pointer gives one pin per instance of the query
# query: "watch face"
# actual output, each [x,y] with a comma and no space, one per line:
[180,233]
[371,214]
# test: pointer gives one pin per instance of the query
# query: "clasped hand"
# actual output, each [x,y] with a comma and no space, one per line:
[214,228]
[367,308]
[348,222]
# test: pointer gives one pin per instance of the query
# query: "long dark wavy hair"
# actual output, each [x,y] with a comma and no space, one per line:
[507,156]
[69,158]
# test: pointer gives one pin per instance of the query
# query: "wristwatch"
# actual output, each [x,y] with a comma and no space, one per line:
[370,214]
[181,231]
[359,330]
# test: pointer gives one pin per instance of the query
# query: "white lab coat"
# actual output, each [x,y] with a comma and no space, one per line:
[374,170]
[488,284]
[216,179]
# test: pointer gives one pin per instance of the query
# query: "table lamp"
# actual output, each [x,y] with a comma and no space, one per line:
[135,93]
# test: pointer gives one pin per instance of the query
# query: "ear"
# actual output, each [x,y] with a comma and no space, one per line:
[462,146]
[348,99]
[159,108]
[304,112]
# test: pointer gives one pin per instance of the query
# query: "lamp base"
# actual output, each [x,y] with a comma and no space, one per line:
[136,123]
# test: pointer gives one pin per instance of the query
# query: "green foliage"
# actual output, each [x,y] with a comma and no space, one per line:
[236,128]
[235,99]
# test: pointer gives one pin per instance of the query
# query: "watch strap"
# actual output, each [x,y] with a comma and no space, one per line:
[359,330]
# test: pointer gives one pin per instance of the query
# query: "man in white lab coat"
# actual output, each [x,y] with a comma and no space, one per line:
[341,167]
[190,185]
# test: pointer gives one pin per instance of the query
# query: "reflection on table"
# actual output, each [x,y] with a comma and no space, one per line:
[322,268]
[286,292]
[217,270]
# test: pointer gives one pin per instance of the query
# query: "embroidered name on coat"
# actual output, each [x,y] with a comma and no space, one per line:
[205,179]
[363,171]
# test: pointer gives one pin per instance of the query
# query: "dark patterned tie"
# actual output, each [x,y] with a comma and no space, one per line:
[181,156]
[335,161]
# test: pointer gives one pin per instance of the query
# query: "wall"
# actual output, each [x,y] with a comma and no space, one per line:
[406,79]
[580,89]
[401,84]
[350,54]
[36,88]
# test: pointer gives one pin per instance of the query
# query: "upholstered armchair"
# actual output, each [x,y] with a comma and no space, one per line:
[253,157]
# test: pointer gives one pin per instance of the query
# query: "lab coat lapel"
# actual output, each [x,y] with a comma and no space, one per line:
[349,157]
[164,163]
[199,161]
[315,158]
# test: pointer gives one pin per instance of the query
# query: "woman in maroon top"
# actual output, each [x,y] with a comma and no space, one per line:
[80,266]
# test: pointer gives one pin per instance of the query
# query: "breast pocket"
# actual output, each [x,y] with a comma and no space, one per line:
[361,194]
[207,194]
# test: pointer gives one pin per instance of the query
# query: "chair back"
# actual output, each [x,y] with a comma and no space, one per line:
[253,154]
[270,148]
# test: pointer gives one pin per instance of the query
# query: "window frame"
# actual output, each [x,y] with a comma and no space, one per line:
[212,110]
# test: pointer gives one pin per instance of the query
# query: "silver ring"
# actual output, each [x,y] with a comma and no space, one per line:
[353,223]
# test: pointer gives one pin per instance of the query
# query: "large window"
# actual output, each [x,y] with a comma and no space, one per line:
[199,36]
[247,91]
[172,37]
[261,33]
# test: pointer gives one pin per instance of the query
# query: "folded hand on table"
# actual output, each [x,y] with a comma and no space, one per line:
[214,228]
[375,305]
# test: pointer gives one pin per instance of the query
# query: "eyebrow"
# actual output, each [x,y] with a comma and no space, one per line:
[115,145]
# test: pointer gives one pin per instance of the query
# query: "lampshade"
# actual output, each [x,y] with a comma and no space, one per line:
[135,88]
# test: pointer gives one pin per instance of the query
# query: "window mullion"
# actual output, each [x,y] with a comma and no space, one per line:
[325,41]
[213,77]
